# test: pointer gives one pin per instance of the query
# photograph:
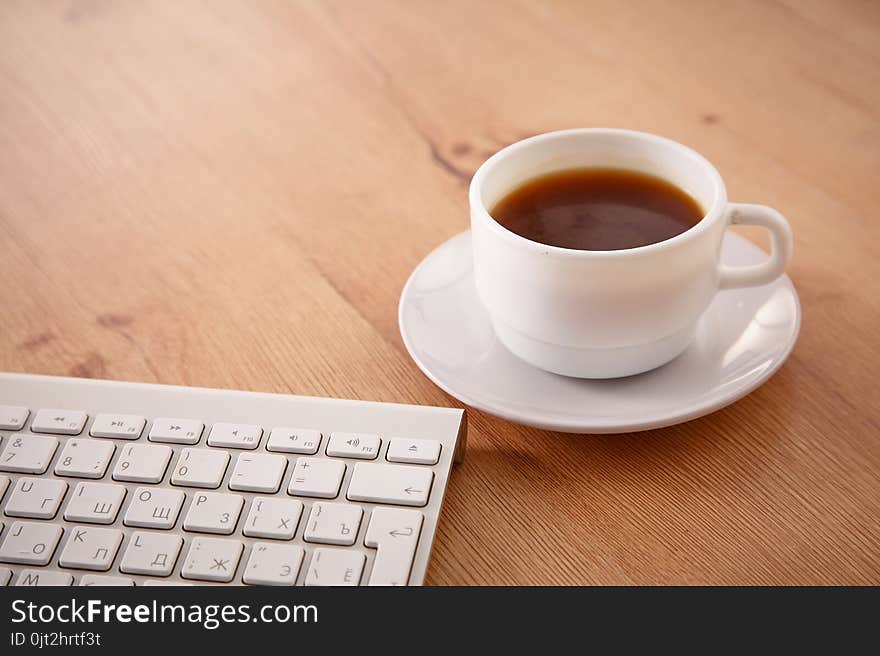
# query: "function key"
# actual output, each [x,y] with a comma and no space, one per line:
[294,440]
[235,436]
[364,446]
[122,427]
[12,417]
[59,422]
[413,452]
[176,431]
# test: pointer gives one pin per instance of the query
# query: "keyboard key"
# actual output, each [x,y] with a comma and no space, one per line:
[154,508]
[95,503]
[333,523]
[27,454]
[165,584]
[176,431]
[30,543]
[59,422]
[395,533]
[200,468]
[4,483]
[258,472]
[153,554]
[393,484]
[5,575]
[120,427]
[364,446]
[84,458]
[273,564]
[214,512]
[413,452]
[40,577]
[142,463]
[212,559]
[273,518]
[316,477]
[91,548]
[99,579]
[294,440]
[335,567]
[13,417]
[235,436]
[36,498]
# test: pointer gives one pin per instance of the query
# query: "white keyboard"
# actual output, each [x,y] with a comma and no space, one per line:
[107,483]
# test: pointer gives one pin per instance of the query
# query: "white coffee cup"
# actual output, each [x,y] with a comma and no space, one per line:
[605,314]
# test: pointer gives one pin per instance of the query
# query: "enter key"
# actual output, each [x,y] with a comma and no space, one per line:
[394,532]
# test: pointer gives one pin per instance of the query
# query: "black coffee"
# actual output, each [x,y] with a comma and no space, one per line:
[594,209]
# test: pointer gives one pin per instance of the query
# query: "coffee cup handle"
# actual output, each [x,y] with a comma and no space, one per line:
[731,277]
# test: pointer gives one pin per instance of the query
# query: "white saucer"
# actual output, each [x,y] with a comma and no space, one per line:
[743,338]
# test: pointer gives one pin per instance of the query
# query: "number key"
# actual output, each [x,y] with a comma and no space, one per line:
[200,468]
[84,458]
[142,463]
[29,454]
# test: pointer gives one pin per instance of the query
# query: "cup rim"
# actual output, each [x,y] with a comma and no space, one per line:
[713,212]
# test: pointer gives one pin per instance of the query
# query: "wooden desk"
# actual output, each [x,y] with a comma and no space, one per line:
[233,195]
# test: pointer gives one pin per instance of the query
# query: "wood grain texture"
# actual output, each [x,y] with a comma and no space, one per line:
[232,194]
